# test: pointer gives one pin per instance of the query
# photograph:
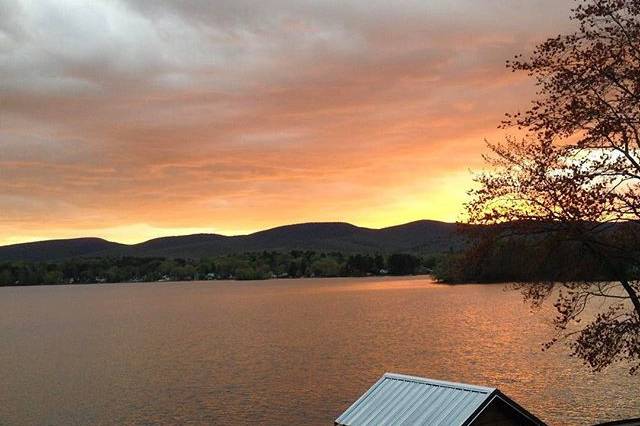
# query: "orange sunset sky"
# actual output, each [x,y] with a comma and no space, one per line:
[134,119]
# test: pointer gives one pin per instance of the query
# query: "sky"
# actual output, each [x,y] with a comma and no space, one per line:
[133,119]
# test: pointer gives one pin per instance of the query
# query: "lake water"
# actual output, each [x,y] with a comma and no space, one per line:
[274,352]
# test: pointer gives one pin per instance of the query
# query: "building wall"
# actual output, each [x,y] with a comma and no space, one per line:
[499,413]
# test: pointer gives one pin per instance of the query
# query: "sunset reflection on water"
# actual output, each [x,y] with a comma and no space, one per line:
[282,351]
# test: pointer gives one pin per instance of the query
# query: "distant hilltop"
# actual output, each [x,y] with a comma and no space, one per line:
[423,237]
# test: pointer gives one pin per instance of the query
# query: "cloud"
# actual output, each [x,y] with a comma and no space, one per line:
[241,114]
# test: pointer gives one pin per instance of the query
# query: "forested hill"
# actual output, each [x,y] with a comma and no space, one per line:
[421,237]
[58,249]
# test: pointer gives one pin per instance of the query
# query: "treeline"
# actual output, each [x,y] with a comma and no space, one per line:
[248,266]
[528,260]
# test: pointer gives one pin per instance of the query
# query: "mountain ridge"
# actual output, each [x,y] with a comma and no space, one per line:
[424,236]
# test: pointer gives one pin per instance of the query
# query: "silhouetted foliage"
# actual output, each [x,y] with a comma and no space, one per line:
[403,264]
[567,194]
[247,266]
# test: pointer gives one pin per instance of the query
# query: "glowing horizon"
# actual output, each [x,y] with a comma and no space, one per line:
[129,120]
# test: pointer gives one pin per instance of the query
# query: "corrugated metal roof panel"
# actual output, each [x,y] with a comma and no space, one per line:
[407,400]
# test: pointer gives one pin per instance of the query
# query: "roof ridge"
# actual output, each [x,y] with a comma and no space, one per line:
[433,382]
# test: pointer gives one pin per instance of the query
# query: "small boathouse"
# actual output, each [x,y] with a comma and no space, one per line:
[397,399]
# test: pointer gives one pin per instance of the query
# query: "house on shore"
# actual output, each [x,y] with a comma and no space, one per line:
[397,399]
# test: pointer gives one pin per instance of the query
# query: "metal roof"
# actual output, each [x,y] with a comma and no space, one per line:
[408,400]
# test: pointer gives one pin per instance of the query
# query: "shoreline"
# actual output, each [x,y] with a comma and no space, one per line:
[230,280]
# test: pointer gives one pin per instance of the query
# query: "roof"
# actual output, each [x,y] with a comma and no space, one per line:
[399,399]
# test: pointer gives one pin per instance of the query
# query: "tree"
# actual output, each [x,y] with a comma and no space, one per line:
[403,264]
[570,188]
[325,267]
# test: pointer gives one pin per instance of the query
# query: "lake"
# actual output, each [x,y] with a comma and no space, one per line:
[280,351]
